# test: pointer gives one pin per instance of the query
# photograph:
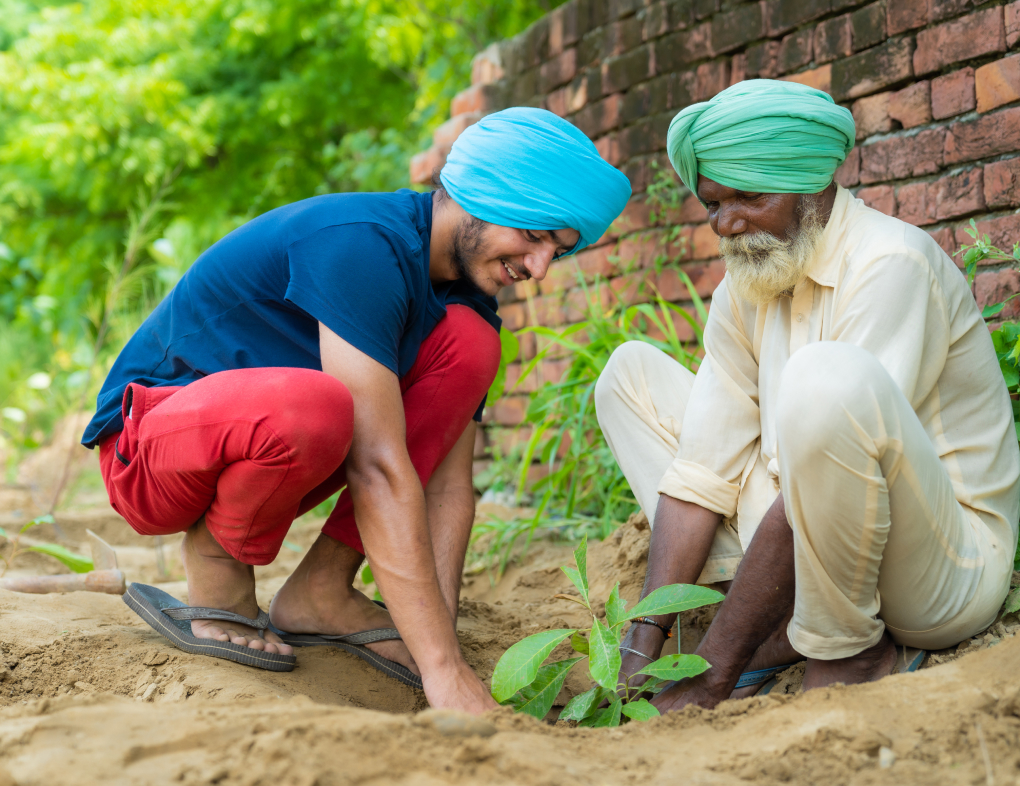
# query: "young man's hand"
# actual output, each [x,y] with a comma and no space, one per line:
[458,688]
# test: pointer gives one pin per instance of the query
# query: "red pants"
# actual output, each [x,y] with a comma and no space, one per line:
[251,449]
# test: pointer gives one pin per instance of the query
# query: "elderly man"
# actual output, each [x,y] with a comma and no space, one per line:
[345,340]
[846,452]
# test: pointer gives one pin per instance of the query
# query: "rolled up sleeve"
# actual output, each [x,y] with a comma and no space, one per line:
[722,423]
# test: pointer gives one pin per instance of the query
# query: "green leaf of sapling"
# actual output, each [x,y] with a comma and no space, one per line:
[579,575]
[1013,601]
[615,608]
[579,643]
[519,665]
[604,656]
[584,704]
[676,667]
[674,598]
[640,710]
[537,698]
[610,716]
[72,560]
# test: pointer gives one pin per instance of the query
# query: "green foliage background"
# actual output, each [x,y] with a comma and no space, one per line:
[246,104]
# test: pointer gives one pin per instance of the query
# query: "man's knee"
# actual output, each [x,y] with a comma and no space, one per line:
[823,383]
[624,366]
[311,411]
[470,344]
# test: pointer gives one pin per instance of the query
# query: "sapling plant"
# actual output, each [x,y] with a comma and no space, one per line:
[521,680]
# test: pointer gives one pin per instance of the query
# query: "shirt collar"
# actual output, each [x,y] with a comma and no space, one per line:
[824,269]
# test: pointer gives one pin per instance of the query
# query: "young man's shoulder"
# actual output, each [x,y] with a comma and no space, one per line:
[399,215]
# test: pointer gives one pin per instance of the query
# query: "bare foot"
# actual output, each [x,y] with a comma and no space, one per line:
[867,666]
[318,598]
[217,580]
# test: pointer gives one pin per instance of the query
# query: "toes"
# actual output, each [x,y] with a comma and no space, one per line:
[257,644]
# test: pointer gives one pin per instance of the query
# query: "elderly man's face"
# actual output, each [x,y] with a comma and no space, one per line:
[767,240]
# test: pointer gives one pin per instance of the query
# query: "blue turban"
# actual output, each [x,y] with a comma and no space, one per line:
[529,169]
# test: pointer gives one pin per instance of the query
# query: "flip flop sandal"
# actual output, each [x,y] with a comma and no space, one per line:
[766,676]
[354,643]
[908,659]
[172,620]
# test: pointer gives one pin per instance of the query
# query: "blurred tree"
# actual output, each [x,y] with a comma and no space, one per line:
[249,103]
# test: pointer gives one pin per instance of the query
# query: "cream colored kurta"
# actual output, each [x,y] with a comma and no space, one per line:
[882,286]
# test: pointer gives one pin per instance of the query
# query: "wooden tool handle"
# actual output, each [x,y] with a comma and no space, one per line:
[108,581]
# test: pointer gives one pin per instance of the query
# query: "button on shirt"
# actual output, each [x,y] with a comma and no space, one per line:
[883,285]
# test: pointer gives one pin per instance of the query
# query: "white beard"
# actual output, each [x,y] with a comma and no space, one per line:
[761,267]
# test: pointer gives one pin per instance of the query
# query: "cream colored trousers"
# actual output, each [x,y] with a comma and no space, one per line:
[880,540]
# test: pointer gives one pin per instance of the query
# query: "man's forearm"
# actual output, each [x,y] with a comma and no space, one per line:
[389,504]
[451,512]
[681,541]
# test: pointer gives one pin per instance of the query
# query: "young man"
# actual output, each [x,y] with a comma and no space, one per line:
[847,440]
[348,340]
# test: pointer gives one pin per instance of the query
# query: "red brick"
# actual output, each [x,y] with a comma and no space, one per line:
[944,237]
[911,106]
[871,115]
[513,379]
[1012,20]
[905,156]
[952,94]
[903,15]
[635,216]
[508,411]
[448,132]
[914,205]
[562,275]
[470,100]
[577,303]
[985,136]
[705,242]
[631,288]
[995,287]
[1002,232]
[849,172]
[692,211]
[784,15]
[998,83]
[711,78]
[597,262]
[608,149]
[819,78]
[557,101]
[873,69]
[425,163]
[705,276]
[977,34]
[959,194]
[514,316]
[795,50]
[638,250]
[485,67]
[832,39]
[598,118]
[737,68]
[1002,184]
[763,60]
[558,71]
[881,198]
[522,290]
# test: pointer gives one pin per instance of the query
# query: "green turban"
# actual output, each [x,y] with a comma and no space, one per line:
[763,136]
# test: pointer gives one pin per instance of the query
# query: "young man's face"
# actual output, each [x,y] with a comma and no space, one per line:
[492,256]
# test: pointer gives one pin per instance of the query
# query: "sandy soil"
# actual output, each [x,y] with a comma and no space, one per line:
[89,694]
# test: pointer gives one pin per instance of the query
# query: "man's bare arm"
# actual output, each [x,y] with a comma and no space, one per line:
[681,540]
[389,505]
[450,500]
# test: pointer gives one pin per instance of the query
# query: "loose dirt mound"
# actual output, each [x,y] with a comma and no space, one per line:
[89,694]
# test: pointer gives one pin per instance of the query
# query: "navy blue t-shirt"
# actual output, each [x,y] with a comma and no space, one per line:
[357,263]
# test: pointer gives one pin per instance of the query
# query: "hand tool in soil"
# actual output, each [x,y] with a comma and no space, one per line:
[105,577]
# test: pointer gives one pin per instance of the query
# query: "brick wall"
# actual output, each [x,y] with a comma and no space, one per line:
[934,87]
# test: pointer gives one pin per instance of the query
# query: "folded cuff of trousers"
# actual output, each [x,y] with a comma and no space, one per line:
[690,482]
